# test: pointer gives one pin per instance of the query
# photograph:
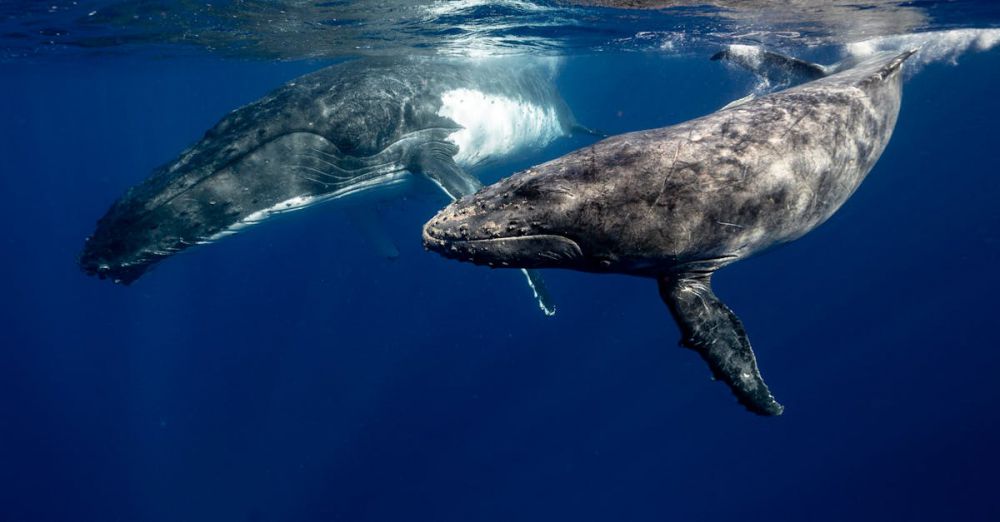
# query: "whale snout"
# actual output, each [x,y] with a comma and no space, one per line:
[119,274]
[478,231]
[98,259]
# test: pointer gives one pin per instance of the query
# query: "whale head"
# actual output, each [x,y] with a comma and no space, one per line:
[549,216]
[273,156]
[126,244]
[188,203]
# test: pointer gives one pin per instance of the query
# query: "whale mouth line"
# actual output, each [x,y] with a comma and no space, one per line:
[531,251]
[504,239]
[124,274]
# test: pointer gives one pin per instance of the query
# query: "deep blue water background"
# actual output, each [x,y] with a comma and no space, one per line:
[290,374]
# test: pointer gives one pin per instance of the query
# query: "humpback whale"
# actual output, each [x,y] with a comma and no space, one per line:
[365,126]
[680,202]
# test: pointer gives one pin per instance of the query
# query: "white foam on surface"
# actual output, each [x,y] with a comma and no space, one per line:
[495,125]
[454,7]
[932,46]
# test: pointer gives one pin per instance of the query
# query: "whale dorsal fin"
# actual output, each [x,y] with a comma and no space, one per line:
[776,68]
[710,328]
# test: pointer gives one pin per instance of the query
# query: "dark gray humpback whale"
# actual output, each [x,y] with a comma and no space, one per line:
[680,202]
[357,127]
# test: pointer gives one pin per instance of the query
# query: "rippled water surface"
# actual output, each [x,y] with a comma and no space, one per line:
[295,30]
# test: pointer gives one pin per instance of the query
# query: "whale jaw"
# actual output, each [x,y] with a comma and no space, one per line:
[534,251]
[124,274]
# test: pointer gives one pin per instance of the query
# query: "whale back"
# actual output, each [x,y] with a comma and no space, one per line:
[768,171]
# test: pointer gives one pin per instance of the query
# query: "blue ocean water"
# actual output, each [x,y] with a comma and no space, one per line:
[289,373]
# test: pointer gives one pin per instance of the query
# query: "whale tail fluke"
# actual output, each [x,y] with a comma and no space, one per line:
[710,328]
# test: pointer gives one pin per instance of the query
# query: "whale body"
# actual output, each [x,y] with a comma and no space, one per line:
[678,203]
[354,128]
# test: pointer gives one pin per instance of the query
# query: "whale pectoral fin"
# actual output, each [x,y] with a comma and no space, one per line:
[775,67]
[367,221]
[436,162]
[542,296]
[710,328]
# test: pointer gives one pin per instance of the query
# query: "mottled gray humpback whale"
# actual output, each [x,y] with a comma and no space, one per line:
[352,128]
[680,202]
